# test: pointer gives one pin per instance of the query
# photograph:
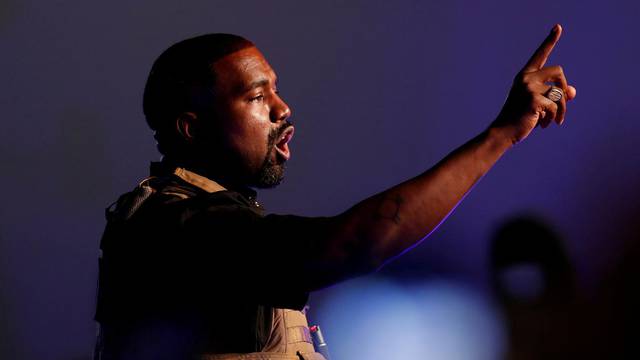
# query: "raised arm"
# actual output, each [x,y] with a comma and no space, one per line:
[389,223]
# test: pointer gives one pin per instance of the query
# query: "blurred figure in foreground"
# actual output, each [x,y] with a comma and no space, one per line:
[535,283]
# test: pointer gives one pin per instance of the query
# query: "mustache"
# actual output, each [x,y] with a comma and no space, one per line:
[284,128]
[276,133]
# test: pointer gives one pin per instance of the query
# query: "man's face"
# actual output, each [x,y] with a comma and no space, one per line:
[252,117]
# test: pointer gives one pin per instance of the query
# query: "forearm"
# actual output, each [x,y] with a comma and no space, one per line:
[384,225]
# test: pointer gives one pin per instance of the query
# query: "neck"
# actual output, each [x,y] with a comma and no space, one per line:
[217,172]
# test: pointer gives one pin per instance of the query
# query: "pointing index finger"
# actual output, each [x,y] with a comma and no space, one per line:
[541,55]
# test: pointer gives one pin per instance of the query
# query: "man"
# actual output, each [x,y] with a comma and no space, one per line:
[192,268]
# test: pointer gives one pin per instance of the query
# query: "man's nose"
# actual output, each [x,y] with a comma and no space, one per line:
[280,111]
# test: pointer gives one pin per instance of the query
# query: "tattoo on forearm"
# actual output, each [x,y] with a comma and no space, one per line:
[389,208]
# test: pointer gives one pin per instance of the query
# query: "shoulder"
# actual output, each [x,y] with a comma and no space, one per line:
[158,193]
[170,196]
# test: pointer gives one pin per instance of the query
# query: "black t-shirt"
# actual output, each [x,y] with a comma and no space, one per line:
[205,267]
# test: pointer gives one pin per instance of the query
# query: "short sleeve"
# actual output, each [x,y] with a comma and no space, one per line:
[238,251]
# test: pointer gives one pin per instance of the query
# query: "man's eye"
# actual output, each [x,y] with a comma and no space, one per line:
[257,98]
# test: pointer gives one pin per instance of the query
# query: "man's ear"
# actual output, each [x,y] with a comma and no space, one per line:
[186,125]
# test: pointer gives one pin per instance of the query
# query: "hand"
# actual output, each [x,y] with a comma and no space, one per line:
[527,106]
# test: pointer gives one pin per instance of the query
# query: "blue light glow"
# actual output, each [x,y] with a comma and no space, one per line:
[377,319]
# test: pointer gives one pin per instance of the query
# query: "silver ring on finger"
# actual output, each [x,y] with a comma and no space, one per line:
[554,94]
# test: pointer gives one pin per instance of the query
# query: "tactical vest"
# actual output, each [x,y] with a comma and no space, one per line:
[290,340]
[290,337]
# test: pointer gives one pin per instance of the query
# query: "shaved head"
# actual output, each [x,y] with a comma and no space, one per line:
[181,80]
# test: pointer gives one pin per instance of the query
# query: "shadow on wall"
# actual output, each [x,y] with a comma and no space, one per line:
[80,151]
[69,152]
[535,284]
[6,11]
[79,146]
[8,346]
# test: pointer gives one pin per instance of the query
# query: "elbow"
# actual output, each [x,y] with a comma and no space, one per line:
[359,249]
[367,254]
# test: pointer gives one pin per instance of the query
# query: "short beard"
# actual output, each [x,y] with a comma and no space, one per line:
[271,173]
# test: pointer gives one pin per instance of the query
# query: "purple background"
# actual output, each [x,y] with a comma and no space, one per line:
[380,91]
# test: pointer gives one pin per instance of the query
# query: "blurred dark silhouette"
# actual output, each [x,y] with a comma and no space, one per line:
[618,296]
[535,283]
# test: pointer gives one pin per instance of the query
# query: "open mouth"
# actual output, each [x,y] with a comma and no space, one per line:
[282,146]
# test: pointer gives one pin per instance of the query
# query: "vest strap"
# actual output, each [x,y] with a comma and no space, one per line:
[299,334]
